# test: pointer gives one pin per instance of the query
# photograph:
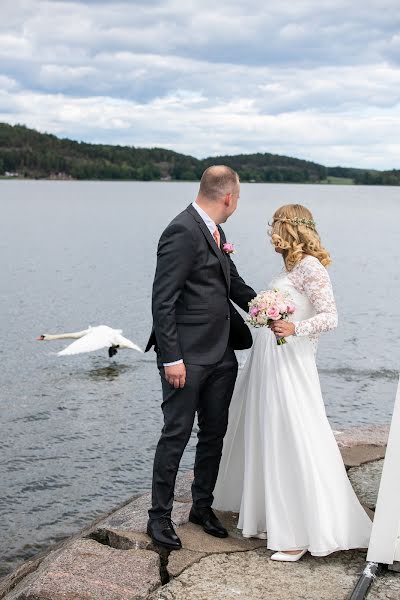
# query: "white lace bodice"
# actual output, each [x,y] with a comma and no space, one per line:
[310,287]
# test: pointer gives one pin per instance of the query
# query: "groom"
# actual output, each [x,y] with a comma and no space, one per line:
[195,332]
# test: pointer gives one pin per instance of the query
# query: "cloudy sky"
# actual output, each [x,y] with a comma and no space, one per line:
[315,79]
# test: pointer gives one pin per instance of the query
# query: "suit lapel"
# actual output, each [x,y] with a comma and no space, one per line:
[225,258]
[211,242]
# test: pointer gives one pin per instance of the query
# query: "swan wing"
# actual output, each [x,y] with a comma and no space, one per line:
[96,339]
[123,342]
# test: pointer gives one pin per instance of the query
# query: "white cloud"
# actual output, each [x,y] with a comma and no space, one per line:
[305,78]
[6,83]
[15,47]
[183,123]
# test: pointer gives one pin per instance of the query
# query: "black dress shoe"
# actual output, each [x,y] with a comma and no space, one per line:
[163,534]
[208,520]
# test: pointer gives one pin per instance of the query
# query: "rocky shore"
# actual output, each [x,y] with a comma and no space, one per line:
[114,559]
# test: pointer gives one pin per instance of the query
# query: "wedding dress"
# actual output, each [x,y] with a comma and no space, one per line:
[281,468]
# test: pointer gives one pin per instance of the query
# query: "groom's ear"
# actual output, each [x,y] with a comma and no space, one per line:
[228,199]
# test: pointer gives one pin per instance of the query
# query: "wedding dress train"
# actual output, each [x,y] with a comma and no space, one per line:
[281,468]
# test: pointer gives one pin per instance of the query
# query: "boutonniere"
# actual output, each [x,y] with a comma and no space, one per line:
[228,248]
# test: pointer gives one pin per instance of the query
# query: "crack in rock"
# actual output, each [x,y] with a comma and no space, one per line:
[125,541]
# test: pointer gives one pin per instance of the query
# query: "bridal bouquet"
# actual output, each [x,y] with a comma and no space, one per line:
[269,306]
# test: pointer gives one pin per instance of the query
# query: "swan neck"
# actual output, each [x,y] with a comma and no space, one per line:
[64,336]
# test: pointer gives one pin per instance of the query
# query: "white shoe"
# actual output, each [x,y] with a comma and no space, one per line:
[260,536]
[285,557]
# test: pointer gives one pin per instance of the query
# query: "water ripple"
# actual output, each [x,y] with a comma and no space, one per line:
[362,374]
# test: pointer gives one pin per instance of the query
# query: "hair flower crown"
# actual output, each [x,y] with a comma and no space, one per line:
[298,221]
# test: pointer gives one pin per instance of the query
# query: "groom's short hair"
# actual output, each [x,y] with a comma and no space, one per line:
[217,181]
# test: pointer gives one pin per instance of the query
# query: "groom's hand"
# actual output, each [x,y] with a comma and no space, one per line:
[176,375]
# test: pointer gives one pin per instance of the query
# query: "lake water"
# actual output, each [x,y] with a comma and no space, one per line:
[78,434]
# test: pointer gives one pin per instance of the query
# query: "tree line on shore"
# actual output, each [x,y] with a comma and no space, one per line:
[27,153]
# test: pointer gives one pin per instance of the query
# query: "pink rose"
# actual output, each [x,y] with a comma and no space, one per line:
[228,248]
[282,307]
[254,311]
[273,313]
[290,308]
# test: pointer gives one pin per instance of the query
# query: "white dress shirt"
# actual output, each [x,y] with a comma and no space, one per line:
[206,218]
[212,227]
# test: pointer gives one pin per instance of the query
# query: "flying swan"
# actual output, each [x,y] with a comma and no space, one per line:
[91,339]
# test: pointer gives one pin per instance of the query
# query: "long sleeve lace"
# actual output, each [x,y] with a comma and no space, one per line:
[311,278]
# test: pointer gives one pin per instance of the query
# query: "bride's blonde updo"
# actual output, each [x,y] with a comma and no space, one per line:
[293,230]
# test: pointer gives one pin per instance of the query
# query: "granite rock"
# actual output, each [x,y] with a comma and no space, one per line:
[122,540]
[133,516]
[87,570]
[180,560]
[385,587]
[193,537]
[376,435]
[126,528]
[365,481]
[253,576]
[9,582]
[354,456]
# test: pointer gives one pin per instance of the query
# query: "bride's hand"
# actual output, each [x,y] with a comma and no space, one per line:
[283,328]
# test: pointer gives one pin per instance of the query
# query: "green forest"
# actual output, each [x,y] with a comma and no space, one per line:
[26,153]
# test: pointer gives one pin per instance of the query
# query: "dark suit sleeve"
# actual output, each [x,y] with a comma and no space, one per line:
[175,258]
[241,293]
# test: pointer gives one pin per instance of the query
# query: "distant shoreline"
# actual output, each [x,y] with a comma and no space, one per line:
[305,183]
[64,180]
[29,154]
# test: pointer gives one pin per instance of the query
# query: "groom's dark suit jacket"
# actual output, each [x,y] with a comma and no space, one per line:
[193,317]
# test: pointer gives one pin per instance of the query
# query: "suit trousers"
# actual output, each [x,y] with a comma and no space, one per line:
[208,391]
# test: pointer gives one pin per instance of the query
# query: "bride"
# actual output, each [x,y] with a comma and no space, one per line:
[281,467]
